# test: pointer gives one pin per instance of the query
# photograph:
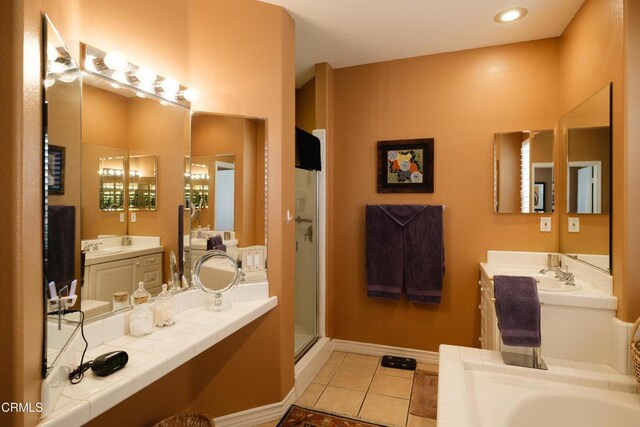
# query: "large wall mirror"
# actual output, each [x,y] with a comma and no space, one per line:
[62,96]
[523,172]
[133,144]
[113,192]
[587,140]
[228,190]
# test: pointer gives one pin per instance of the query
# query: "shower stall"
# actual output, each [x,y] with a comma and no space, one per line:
[307,270]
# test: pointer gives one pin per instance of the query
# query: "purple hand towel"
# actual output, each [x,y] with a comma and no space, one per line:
[518,310]
[213,241]
[404,246]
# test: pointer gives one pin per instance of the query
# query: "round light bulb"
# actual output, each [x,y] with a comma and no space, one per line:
[170,85]
[110,172]
[191,94]
[89,63]
[146,75]
[68,77]
[164,103]
[114,85]
[115,60]
[140,95]
[56,67]
[510,15]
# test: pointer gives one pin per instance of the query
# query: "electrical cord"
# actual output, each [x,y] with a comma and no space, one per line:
[77,374]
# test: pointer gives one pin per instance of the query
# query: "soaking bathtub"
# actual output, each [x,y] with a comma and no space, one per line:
[477,390]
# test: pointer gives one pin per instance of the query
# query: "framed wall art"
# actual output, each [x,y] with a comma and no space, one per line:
[55,170]
[405,166]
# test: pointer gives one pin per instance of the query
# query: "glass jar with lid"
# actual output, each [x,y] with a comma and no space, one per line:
[164,312]
[141,318]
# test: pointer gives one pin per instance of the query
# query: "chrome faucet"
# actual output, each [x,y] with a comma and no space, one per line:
[562,275]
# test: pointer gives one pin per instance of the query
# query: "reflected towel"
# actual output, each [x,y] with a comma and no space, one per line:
[518,310]
[213,241]
[61,240]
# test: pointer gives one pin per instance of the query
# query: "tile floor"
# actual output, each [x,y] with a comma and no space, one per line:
[357,385]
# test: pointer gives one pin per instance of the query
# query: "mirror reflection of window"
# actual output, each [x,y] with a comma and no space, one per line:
[588,169]
[225,195]
[523,172]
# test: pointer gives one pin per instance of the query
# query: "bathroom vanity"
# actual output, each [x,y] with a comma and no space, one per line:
[575,320]
[116,268]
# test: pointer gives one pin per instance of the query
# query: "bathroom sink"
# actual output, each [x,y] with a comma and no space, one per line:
[105,251]
[546,282]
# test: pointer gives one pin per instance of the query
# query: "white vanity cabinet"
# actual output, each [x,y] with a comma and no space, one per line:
[489,333]
[102,280]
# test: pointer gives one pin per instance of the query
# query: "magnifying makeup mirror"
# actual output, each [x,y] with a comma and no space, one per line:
[215,273]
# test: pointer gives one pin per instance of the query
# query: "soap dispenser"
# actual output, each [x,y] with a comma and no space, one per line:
[141,319]
[164,313]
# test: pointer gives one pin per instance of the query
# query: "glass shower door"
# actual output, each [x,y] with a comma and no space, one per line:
[306,275]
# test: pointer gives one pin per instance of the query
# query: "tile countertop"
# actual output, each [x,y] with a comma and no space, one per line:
[453,403]
[197,328]
[587,296]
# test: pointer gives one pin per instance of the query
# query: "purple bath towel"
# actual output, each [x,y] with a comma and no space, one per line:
[61,245]
[518,310]
[404,246]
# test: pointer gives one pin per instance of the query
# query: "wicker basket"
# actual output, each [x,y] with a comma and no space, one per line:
[635,352]
[187,419]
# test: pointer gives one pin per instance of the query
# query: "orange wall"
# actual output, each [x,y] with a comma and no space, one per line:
[158,130]
[105,123]
[592,55]
[461,99]
[306,106]
[21,231]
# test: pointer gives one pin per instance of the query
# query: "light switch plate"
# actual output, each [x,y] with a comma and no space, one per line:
[134,217]
[122,217]
[545,223]
[574,225]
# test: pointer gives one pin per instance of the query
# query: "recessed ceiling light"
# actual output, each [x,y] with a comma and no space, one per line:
[510,15]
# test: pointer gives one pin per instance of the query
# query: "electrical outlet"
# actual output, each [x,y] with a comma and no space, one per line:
[545,223]
[134,217]
[122,218]
[574,225]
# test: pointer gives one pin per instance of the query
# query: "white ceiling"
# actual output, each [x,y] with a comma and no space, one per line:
[353,32]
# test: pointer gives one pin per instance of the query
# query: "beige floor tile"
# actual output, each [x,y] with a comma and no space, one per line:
[402,373]
[325,374]
[427,367]
[414,421]
[352,379]
[311,394]
[361,361]
[390,411]
[391,386]
[341,401]
[336,358]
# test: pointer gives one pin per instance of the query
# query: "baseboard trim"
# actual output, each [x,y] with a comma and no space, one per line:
[421,356]
[260,415]
[310,364]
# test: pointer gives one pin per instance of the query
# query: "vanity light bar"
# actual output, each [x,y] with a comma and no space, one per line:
[116,68]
